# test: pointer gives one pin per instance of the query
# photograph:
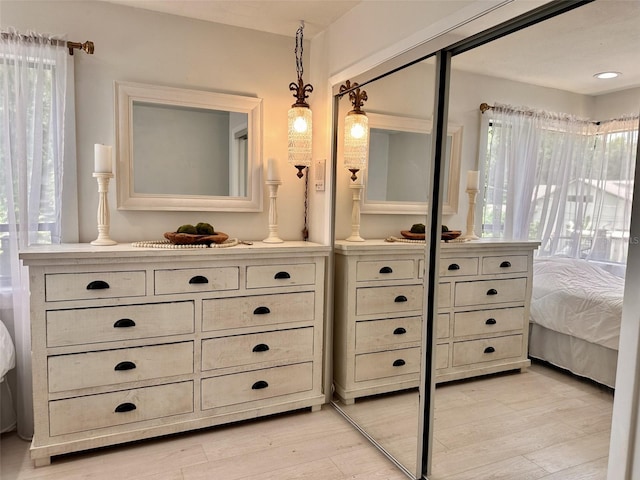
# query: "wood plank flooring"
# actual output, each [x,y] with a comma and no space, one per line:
[540,424]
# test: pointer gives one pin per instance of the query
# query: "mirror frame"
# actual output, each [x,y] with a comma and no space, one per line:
[417,125]
[126,93]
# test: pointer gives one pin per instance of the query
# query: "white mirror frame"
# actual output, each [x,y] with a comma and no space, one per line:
[126,93]
[417,125]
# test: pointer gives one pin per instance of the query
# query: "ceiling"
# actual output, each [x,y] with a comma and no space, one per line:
[563,52]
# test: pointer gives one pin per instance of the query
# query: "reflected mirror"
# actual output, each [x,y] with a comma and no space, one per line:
[398,166]
[184,149]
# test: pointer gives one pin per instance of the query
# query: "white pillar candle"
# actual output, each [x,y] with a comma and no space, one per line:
[473,181]
[272,169]
[102,158]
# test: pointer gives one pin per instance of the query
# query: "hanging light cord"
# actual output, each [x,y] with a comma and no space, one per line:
[298,51]
[301,91]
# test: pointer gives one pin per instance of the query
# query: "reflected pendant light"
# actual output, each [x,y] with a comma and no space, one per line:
[300,121]
[356,131]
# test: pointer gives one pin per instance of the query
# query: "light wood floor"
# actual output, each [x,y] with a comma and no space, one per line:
[539,424]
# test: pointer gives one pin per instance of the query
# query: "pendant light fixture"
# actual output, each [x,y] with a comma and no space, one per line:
[300,121]
[356,131]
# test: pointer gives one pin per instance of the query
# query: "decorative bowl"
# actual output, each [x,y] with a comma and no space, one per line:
[191,239]
[450,235]
[412,236]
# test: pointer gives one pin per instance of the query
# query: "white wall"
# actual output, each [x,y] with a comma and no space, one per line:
[142,46]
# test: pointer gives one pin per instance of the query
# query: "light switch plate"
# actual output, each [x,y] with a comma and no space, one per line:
[319,176]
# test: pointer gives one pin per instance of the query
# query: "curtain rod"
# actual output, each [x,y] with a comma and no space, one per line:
[86,47]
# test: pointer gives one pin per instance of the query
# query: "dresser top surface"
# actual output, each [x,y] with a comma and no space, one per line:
[86,252]
[345,247]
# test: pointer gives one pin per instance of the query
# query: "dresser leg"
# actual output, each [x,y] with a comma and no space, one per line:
[316,408]
[42,462]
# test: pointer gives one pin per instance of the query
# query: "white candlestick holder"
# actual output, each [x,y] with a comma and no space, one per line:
[103,209]
[470,234]
[273,212]
[355,212]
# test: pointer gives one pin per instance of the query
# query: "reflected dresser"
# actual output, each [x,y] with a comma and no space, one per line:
[481,326]
[131,343]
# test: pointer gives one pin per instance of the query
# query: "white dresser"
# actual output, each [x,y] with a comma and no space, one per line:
[131,343]
[483,301]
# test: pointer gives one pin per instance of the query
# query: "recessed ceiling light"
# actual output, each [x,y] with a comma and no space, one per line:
[607,74]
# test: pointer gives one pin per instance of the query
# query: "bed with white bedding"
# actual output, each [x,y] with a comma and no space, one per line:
[576,309]
[7,362]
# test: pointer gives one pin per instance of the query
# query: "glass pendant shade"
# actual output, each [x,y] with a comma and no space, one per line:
[356,141]
[300,130]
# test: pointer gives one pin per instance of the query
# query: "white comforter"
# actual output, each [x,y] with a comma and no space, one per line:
[579,299]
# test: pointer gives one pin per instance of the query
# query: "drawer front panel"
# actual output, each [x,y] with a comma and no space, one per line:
[111,367]
[188,280]
[265,276]
[89,286]
[394,299]
[110,324]
[505,264]
[385,270]
[442,325]
[256,385]
[442,356]
[285,346]
[486,350]
[444,295]
[488,292]
[375,334]
[488,321]
[371,366]
[258,310]
[457,267]
[118,408]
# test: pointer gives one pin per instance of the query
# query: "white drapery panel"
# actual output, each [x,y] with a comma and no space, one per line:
[34,72]
[564,181]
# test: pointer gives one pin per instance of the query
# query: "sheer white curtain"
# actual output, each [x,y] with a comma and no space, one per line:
[561,180]
[34,71]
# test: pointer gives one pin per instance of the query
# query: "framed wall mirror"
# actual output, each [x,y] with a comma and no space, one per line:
[187,150]
[397,171]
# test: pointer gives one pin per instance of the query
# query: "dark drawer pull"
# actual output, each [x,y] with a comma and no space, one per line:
[386,270]
[454,266]
[489,350]
[260,384]
[399,331]
[125,366]
[492,291]
[261,347]
[198,279]
[399,363]
[124,323]
[125,407]
[505,264]
[400,299]
[98,285]
[281,275]
[261,311]
[490,321]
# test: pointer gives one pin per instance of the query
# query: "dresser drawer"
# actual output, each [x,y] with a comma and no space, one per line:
[444,295]
[110,367]
[246,387]
[443,325]
[89,286]
[484,322]
[392,299]
[284,346]
[442,356]
[505,264]
[110,324]
[486,350]
[458,267]
[264,276]
[188,280]
[371,366]
[385,270]
[376,334]
[117,408]
[257,310]
[489,292]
